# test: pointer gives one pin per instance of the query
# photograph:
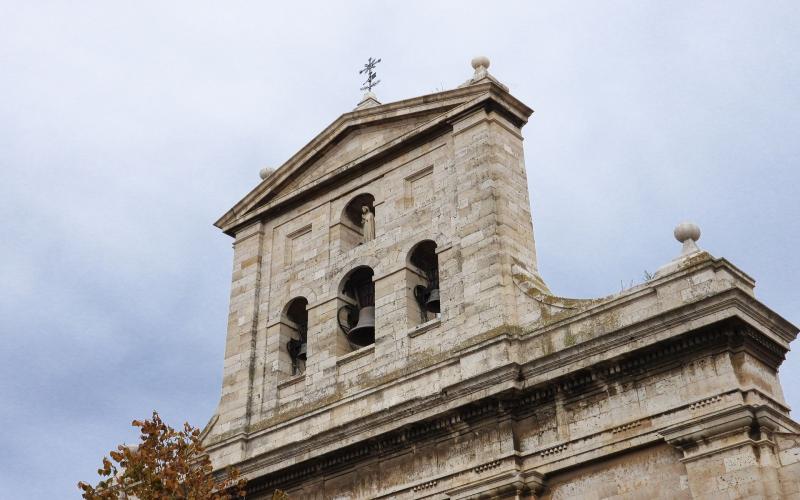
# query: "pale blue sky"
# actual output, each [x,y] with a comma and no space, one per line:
[126,129]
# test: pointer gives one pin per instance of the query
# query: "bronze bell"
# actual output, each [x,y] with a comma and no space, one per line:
[432,304]
[297,352]
[363,333]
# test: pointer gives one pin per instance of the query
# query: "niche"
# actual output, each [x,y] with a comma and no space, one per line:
[357,222]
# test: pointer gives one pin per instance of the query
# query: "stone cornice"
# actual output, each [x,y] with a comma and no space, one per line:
[509,399]
[591,355]
[733,303]
[696,436]
[450,105]
[583,308]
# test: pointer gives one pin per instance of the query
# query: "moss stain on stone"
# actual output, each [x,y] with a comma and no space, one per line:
[416,363]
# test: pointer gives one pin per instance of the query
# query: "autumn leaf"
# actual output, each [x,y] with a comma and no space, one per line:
[166,464]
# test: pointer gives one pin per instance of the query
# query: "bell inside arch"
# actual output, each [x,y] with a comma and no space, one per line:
[363,333]
[424,263]
[432,301]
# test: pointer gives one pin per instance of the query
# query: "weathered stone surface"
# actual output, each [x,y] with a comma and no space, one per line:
[665,390]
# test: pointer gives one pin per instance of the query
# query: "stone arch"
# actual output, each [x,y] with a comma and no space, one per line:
[276,311]
[296,310]
[353,232]
[420,247]
[356,306]
[352,210]
[409,245]
[422,278]
[348,266]
[293,335]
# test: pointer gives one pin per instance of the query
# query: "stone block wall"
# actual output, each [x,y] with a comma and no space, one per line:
[665,390]
[654,472]
[464,190]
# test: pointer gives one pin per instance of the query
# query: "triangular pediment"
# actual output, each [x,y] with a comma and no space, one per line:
[361,136]
[354,144]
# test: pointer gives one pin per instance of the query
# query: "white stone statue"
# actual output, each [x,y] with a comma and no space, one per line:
[368,223]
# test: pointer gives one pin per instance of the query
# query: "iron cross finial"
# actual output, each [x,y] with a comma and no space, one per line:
[371,75]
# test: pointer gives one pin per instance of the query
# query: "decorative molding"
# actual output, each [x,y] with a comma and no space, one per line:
[387,443]
[628,426]
[422,178]
[764,341]
[352,356]
[602,370]
[425,486]
[705,402]
[243,238]
[553,450]
[207,429]
[424,327]
[264,200]
[726,306]
[487,466]
[530,398]
[299,232]
[292,239]
[291,381]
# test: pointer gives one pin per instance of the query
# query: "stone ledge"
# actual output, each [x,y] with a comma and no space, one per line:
[351,356]
[424,327]
[579,454]
[291,381]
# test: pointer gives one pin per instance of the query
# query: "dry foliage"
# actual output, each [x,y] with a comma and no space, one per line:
[166,465]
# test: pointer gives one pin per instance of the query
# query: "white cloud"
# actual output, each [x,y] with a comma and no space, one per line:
[125,130]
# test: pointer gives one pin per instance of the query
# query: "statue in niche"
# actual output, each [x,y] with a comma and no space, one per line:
[368,223]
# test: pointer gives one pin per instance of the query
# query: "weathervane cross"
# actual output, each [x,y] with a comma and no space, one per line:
[371,75]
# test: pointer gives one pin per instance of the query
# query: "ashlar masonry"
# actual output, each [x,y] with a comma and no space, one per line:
[390,335]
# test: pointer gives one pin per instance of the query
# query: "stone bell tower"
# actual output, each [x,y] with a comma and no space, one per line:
[390,336]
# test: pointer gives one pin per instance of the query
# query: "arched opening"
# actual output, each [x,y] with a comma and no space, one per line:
[356,314]
[294,333]
[423,282]
[358,221]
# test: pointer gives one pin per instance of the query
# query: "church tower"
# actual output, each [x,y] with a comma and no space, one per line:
[390,336]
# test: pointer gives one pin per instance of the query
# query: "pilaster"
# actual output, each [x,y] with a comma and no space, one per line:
[730,454]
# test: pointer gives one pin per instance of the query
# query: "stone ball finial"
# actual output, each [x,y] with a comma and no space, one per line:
[687,231]
[265,172]
[480,62]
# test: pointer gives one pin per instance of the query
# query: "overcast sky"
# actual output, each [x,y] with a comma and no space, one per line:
[126,129]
